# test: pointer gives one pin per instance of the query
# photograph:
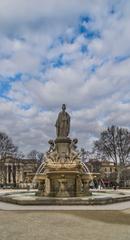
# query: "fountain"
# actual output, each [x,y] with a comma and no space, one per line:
[63,174]
[62,178]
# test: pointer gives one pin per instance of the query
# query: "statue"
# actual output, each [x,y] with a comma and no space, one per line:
[52,146]
[63,123]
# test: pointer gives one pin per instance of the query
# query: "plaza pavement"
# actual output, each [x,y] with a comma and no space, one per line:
[108,222]
[64,225]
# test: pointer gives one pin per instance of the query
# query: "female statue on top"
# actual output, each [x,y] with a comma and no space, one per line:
[63,123]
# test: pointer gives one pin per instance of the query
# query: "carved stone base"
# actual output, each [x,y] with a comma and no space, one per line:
[64,184]
[63,146]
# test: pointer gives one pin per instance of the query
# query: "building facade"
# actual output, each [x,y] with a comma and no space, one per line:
[17,172]
[102,172]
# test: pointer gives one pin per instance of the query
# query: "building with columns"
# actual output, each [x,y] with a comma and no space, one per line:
[17,172]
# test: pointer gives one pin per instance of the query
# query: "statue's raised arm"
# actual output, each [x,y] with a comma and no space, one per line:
[63,123]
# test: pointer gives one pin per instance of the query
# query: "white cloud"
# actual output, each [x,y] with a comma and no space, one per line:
[94,83]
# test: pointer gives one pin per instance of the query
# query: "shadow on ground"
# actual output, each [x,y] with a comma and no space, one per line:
[112,217]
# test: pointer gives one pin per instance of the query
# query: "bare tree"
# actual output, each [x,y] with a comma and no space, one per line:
[123,145]
[114,143]
[34,154]
[7,148]
[86,155]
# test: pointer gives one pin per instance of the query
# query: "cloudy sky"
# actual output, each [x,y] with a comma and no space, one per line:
[63,51]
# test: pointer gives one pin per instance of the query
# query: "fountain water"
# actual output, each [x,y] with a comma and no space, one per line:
[39,170]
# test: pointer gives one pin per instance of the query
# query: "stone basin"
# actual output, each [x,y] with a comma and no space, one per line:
[97,198]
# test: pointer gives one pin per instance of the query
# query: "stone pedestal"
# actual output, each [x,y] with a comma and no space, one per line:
[63,146]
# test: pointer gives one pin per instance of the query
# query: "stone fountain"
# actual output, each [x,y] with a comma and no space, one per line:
[62,178]
[63,174]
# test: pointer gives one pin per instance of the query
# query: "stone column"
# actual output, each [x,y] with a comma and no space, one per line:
[17,174]
[86,187]
[78,185]
[11,174]
[14,173]
[7,173]
[47,186]
[21,174]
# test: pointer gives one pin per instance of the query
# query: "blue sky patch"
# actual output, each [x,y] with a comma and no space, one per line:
[85,30]
[121,58]
[16,77]
[93,68]
[88,33]
[56,62]
[58,41]
[86,19]
[84,49]
[5,86]
[25,106]
[70,39]
[59,61]
[92,34]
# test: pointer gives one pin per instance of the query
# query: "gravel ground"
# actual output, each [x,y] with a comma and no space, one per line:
[65,225]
